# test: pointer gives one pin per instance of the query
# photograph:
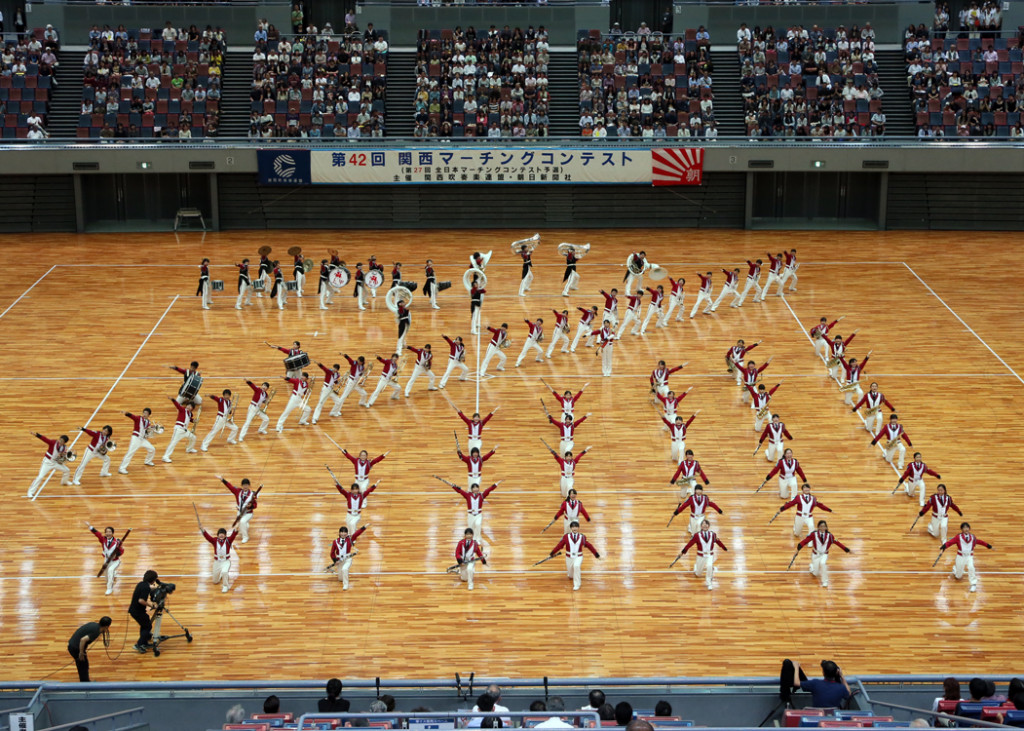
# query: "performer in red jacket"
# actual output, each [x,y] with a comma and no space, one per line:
[821,540]
[112,552]
[705,540]
[573,544]
[467,552]
[342,553]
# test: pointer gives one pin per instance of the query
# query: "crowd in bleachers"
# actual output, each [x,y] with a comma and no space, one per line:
[152,83]
[820,83]
[490,83]
[319,83]
[646,84]
[968,87]
[27,69]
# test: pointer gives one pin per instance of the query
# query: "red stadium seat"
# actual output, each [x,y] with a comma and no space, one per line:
[791,717]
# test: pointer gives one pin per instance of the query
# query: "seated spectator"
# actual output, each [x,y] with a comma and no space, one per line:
[606,712]
[333,703]
[831,691]
[484,704]
[623,713]
[555,704]
[662,709]
[272,704]
[981,689]
[538,706]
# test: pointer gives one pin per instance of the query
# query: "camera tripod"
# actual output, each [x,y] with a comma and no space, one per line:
[159,639]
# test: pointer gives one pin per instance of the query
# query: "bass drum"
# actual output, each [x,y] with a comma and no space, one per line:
[374,279]
[467,278]
[338,277]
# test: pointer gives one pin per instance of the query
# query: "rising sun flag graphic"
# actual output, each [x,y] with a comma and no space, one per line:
[677,166]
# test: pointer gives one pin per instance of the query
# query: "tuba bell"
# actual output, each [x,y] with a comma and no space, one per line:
[486,258]
[530,243]
[564,249]
[473,273]
[397,294]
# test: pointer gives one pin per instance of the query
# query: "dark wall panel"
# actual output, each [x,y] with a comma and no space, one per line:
[718,203]
[37,203]
[955,201]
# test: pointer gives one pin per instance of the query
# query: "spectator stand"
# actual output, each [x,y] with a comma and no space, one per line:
[968,87]
[145,83]
[319,84]
[817,82]
[26,79]
[491,83]
[646,84]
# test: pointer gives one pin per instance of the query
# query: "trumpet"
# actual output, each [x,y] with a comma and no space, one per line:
[270,396]
[530,243]
[108,446]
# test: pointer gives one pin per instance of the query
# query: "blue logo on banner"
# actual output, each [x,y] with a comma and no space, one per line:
[283,167]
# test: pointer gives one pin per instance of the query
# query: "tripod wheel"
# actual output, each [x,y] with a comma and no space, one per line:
[156,651]
[188,635]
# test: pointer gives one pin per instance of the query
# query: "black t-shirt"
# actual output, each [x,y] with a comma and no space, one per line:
[142,591]
[92,630]
[338,705]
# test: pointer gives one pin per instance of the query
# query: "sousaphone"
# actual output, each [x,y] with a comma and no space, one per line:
[530,243]
[580,250]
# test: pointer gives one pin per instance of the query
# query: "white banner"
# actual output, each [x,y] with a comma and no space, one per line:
[501,165]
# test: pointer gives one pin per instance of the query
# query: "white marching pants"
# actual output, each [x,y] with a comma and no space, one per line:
[382,383]
[573,566]
[361,296]
[466,570]
[221,568]
[565,444]
[821,347]
[556,337]
[582,330]
[454,365]
[326,295]
[254,411]
[325,393]
[803,521]
[243,526]
[475,443]
[417,371]
[678,450]
[207,297]
[962,563]
[352,519]
[86,458]
[300,283]
[45,469]
[819,567]
[351,385]
[760,420]
[686,485]
[788,487]
[493,351]
[476,522]
[853,394]
[612,317]
[294,402]
[652,310]
[530,344]
[474,322]
[134,446]
[773,278]
[693,527]
[282,295]
[341,569]
[702,296]
[112,568]
[750,285]
[606,360]
[937,527]
[910,486]
[177,435]
[789,276]
[524,285]
[244,295]
[629,317]
[565,484]
[889,455]
[873,423]
[573,282]
[218,426]
[726,290]
[673,303]
[774,451]
[705,566]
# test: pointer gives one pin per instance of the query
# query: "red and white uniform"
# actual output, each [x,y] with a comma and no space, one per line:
[362,468]
[653,308]
[475,466]
[355,503]
[97,442]
[821,542]
[698,505]
[475,429]
[568,404]
[559,333]
[821,330]
[913,478]
[353,382]
[474,507]
[456,360]
[689,470]
[220,422]
[734,357]
[112,552]
[494,349]
[787,470]
[605,337]
[567,432]
[851,384]
[573,546]
[705,541]
[837,354]
[300,389]
[245,501]
[759,401]
[204,286]
[659,379]
[790,272]
[52,460]
[256,409]
[181,431]
[753,283]
[567,470]
[894,434]
[703,294]
[873,418]
[774,274]
[424,366]
[221,557]
[677,433]
[805,505]
[536,333]
[632,314]
[569,511]
[670,404]
[775,433]
[584,328]
[676,298]
[330,379]
[341,555]
[940,505]
[965,545]
[387,378]
[748,378]
[611,308]
[140,440]
[729,287]
[467,552]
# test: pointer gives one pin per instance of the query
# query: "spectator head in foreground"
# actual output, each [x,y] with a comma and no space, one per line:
[596,698]
[623,713]
[663,708]
[272,704]
[638,724]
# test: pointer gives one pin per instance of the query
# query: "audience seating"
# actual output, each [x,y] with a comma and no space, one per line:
[492,83]
[25,94]
[340,92]
[646,84]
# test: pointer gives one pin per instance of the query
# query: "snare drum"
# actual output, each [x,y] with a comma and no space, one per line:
[296,362]
[442,286]
[374,279]
[291,286]
[190,388]
[259,285]
[217,285]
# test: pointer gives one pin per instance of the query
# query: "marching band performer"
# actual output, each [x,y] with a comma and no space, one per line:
[873,416]
[705,541]
[388,377]
[703,294]
[640,264]
[456,360]
[476,427]
[790,273]
[353,382]
[677,433]
[734,358]
[749,376]
[404,318]
[225,418]
[467,553]
[323,285]
[836,352]
[396,274]
[475,463]
[759,401]
[570,512]
[753,276]
[774,433]
[331,377]
[805,503]
[362,466]
[774,274]
[297,400]
[573,543]
[98,445]
[670,403]
[914,477]
[141,426]
[654,308]
[632,314]
[499,338]
[355,498]
[605,339]
[676,298]
[474,504]
[560,332]
[245,501]
[567,468]
[660,376]
[476,301]
[567,401]
[257,407]
[688,470]
[821,541]
[424,361]
[894,436]
[430,286]
[342,554]
[370,266]
[819,333]
[279,290]
[204,284]
[266,269]
[611,306]
[296,349]
[187,373]
[299,274]
[567,428]
[359,286]
[732,279]
[787,469]
[536,334]
[570,277]
[584,328]
[181,431]
[244,285]
[965,542]
[54,459]
[112,552]
[221,555]
[940,504]
[527,277]
[851,385]
[698,503]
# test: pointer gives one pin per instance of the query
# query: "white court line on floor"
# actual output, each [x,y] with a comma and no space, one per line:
[511,265]
[112,387]
[10,306]
[969,329]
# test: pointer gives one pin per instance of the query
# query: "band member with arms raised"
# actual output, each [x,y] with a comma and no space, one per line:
[112,552]
[257,408]
[54,459]
[225,418]
[99,444]
[141,427]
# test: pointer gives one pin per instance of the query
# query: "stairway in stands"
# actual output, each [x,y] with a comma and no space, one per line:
[66,99]
[401,93]
[235,85]
[728,102]
[564,92]
[892,77]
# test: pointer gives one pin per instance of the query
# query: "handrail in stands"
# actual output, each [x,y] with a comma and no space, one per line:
[961,720]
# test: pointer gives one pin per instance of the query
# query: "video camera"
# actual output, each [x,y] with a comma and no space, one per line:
[159,594]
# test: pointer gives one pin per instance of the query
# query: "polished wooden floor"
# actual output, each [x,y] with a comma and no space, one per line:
[89,322]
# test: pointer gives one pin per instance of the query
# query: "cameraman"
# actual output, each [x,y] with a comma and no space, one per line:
[79,643]
[832,692]
[141,602]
